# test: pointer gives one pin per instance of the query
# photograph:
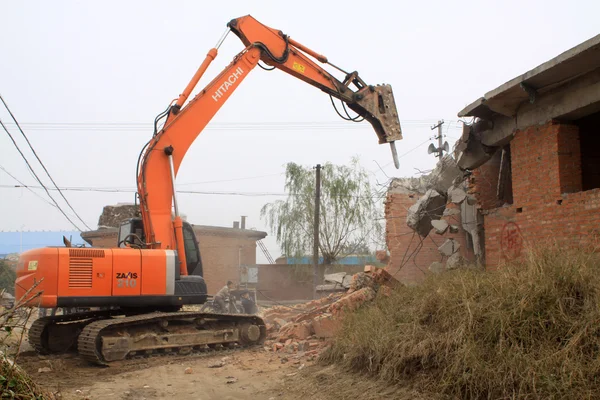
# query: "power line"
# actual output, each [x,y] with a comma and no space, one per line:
[232,126]
[25,186]
[221,193]
[37,178]
[231,180]
[41,163]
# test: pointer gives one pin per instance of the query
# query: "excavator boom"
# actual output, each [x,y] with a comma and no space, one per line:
[184,122]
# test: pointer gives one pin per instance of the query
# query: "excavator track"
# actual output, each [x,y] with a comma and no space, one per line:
[114,339]
[58,334]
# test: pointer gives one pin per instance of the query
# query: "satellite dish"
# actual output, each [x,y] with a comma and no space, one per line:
[446,147]
[431,149]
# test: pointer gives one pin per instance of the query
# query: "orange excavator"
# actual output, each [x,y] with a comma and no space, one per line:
[139,287]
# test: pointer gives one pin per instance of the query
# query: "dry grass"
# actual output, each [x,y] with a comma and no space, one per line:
[15,383]
[529,330]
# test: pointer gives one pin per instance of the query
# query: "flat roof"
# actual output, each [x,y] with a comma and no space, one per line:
[506,98]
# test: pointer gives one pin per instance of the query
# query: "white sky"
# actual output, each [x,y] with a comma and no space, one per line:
[123,61]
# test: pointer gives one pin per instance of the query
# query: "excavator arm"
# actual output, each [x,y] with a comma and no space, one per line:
[163,154]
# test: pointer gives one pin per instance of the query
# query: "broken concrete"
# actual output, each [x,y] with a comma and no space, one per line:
[409,185]
[113,216]
[429,207]
[469,151]
[457,195]
[436,267]
[454,228]
[449,247]
[343,279]
[454,261]
[440,226]
[444,174]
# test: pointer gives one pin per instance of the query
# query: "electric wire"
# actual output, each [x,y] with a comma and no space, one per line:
[41,163]
[37,178]
[25,186]
[219,193]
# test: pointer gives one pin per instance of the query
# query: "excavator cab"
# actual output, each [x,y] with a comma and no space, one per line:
[131,234]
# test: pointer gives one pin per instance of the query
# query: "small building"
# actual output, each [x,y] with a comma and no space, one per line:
[534,150]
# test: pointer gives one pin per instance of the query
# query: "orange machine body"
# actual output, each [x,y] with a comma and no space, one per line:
[88,277]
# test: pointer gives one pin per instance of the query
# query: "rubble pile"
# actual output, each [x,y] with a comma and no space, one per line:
[113,216]
[304,330]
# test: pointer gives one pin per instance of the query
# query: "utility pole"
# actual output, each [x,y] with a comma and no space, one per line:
[441,147]
[316,231]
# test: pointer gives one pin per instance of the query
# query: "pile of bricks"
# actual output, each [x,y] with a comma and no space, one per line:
[305,329]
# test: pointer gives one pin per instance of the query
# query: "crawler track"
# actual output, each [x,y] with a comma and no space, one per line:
[102,337]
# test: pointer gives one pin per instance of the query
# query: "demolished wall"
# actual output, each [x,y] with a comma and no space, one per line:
[426,226]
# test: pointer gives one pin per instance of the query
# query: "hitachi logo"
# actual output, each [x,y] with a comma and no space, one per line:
[229,82]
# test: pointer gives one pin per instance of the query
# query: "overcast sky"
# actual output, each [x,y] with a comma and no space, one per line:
[81,66]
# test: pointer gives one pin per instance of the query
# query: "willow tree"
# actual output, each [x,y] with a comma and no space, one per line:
[349,213]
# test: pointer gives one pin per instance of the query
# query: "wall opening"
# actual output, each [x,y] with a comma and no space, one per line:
[589,137]
[505,189]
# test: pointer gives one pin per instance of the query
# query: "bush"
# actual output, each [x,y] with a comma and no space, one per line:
[529,330]
[7,277]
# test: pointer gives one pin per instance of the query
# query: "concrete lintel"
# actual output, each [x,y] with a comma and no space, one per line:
[565,103]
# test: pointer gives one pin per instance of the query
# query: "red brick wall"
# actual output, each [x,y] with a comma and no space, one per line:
[483,183]
[546,162]
[548,205]
[220,258]
[410,255]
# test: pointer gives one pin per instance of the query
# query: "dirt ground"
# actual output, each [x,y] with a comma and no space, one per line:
[245,374]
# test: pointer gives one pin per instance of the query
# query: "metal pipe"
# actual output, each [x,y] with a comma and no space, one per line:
[177,222]
[338,68]
[222,39]
[169,153]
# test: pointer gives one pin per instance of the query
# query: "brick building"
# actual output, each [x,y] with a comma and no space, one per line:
[535,155]
[223,250]
[410,254]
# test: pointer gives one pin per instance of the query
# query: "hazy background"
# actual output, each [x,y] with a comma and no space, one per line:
[86,80]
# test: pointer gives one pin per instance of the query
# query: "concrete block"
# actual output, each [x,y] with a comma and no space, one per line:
[429,207]
[440,226]
[436,267]
[454,228]
[449,247]
[444,174]
[448,212]
[456,195]
[454,261]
